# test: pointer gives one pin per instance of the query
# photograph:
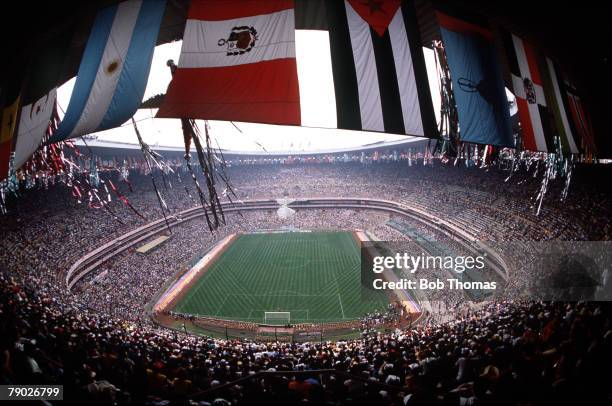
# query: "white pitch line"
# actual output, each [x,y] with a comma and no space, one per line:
[221,305]
[341,307]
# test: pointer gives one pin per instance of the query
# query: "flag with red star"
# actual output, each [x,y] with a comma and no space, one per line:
[379,73]
[377,13]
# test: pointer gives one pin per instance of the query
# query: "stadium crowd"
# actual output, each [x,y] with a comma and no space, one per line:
[99,344]
[507,353]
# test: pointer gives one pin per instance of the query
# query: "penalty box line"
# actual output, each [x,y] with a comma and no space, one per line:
[335,296]
[288,311]
[220,306]
[274,295]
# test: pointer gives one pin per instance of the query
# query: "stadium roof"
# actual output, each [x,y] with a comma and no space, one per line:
[567,36]
[114,149]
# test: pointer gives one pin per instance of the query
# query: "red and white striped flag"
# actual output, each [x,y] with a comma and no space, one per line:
[526,68]
[546,106]
[237,63]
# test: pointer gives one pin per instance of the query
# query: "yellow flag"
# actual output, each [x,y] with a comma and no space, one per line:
[9,121]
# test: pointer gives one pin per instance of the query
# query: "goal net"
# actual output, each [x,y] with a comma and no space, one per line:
[277,318]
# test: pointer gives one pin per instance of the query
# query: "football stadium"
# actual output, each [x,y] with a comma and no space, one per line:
[309,202]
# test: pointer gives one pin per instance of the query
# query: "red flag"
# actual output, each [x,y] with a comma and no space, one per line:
[237,63]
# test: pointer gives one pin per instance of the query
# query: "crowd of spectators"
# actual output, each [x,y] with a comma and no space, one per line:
[506,353]
[392,316]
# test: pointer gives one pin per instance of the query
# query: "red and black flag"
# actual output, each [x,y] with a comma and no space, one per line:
[581,119]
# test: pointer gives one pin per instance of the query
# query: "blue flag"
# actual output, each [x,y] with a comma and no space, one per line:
[113,73]
[478,86]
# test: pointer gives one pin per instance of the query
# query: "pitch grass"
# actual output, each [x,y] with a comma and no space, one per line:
[313,275]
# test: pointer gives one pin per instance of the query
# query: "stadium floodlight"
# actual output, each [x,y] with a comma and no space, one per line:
[277,318]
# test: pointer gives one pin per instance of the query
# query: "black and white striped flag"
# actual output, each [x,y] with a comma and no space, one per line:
[379,74]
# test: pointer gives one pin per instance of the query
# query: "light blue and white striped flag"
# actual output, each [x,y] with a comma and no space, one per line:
[113,73]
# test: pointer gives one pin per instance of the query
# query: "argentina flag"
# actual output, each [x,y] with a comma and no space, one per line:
[113,74]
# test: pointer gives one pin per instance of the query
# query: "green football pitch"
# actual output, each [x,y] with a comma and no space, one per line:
[313,275]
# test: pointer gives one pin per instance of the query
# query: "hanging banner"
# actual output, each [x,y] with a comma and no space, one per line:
[527,69]
[114,70]
[234,66]
[581,119]
[9,106]
[39,94]
[33,125]
[478,86]
[558,102]
[380,79]
[237,63]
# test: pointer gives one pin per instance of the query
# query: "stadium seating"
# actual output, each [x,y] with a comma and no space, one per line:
[99,342]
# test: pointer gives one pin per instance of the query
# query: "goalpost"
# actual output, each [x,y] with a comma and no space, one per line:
[277,318]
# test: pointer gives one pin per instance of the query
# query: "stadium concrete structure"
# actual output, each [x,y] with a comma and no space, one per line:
[89,278]
[133,274]
[165,302]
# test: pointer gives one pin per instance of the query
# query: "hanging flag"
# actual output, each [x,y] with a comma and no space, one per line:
[581,119]
[9,106]
[33,125]
[556,99]
[379,73]
[548,104]
[113,73]
[237,63]
[376,60]
[38,102]
[478,85]
[526,65]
